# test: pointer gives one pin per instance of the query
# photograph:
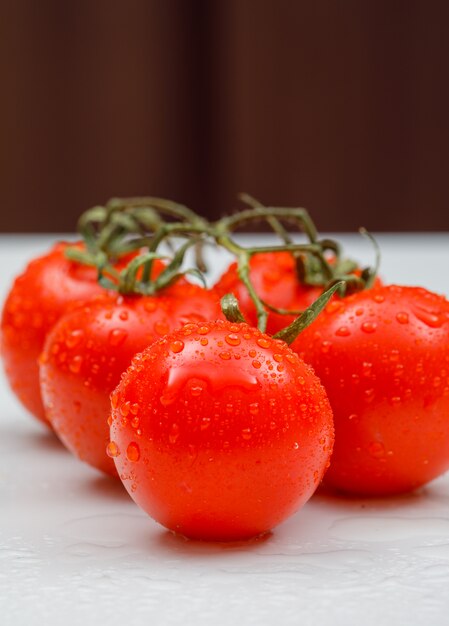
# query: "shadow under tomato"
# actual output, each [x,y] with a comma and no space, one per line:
[325,496]
[180,545]
[104,487]
[22,435]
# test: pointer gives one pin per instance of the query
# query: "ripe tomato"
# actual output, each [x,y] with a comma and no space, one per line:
[383,357]
[47,288]
[90,347]
[275,280]
[220,432]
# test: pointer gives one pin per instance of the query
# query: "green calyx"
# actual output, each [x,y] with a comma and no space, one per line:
[151,229]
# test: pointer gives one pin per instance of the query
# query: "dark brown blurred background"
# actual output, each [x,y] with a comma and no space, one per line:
[339,106]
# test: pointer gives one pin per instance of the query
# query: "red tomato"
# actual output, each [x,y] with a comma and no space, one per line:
[220,432]
[275,280]
[383,357]
[48,287]
[90,347]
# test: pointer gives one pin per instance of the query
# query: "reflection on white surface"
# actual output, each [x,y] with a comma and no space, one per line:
[74,547]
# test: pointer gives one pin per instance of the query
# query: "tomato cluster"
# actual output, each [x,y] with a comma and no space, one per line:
[217,428]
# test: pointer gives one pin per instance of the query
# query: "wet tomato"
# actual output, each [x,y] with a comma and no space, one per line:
[383,357]
[39,296]
[220,432]
[90,347]
[275,280]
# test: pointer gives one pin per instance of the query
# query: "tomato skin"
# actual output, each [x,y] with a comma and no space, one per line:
[49,285]
[275,280]
[90,347]
[227,431]
[383,357]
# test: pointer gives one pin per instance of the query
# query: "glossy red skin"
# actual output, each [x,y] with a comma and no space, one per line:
[220,432]
[88,350]
[275,280]
[383,357]
[48,287]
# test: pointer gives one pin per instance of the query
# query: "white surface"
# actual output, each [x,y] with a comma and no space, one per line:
[74,548]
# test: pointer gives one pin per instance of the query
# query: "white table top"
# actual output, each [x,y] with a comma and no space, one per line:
[74,547]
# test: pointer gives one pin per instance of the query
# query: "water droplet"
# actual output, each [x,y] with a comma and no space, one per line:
[256,364]
[112,449]
[359,312]
[161,328]
[379,298]
[290,358]
[343,331]
[174,433]
[263,342]
[353,416]
[252,353]
[368,327]
[110,420]
[254,408]
[177,346]
[114,400]
[133,452]
[196,389]
[75,337]
[135,422]
[205,423]
[124,408]
[123,315]
[402,317]
[376,449]
[225,356]
[436,381]
[325,346]
[246,434]
[204,341]
[117,336]
[232,339]
[278,357]
[434,319]
[75,364]
[150,305]
[203,330]
[296,446]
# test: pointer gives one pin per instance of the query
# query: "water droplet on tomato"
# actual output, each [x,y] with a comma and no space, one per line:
[205,423]
[368,327]
[256,364]
[246,434]
[124,408]
[117,336]
[379,298]
[150,305]
[225,356]
[402,317]
[174,433]
[135,422]
[233,339]
[177,346]
[433,319]
[196,388]
[204,341]
[133,452]
[112,449]
[74,338]
[263,342]
[325,346]
[162,328]
[343,331]
[75,364]
[114,400]
[254,408]
[376,449]
[359,312]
